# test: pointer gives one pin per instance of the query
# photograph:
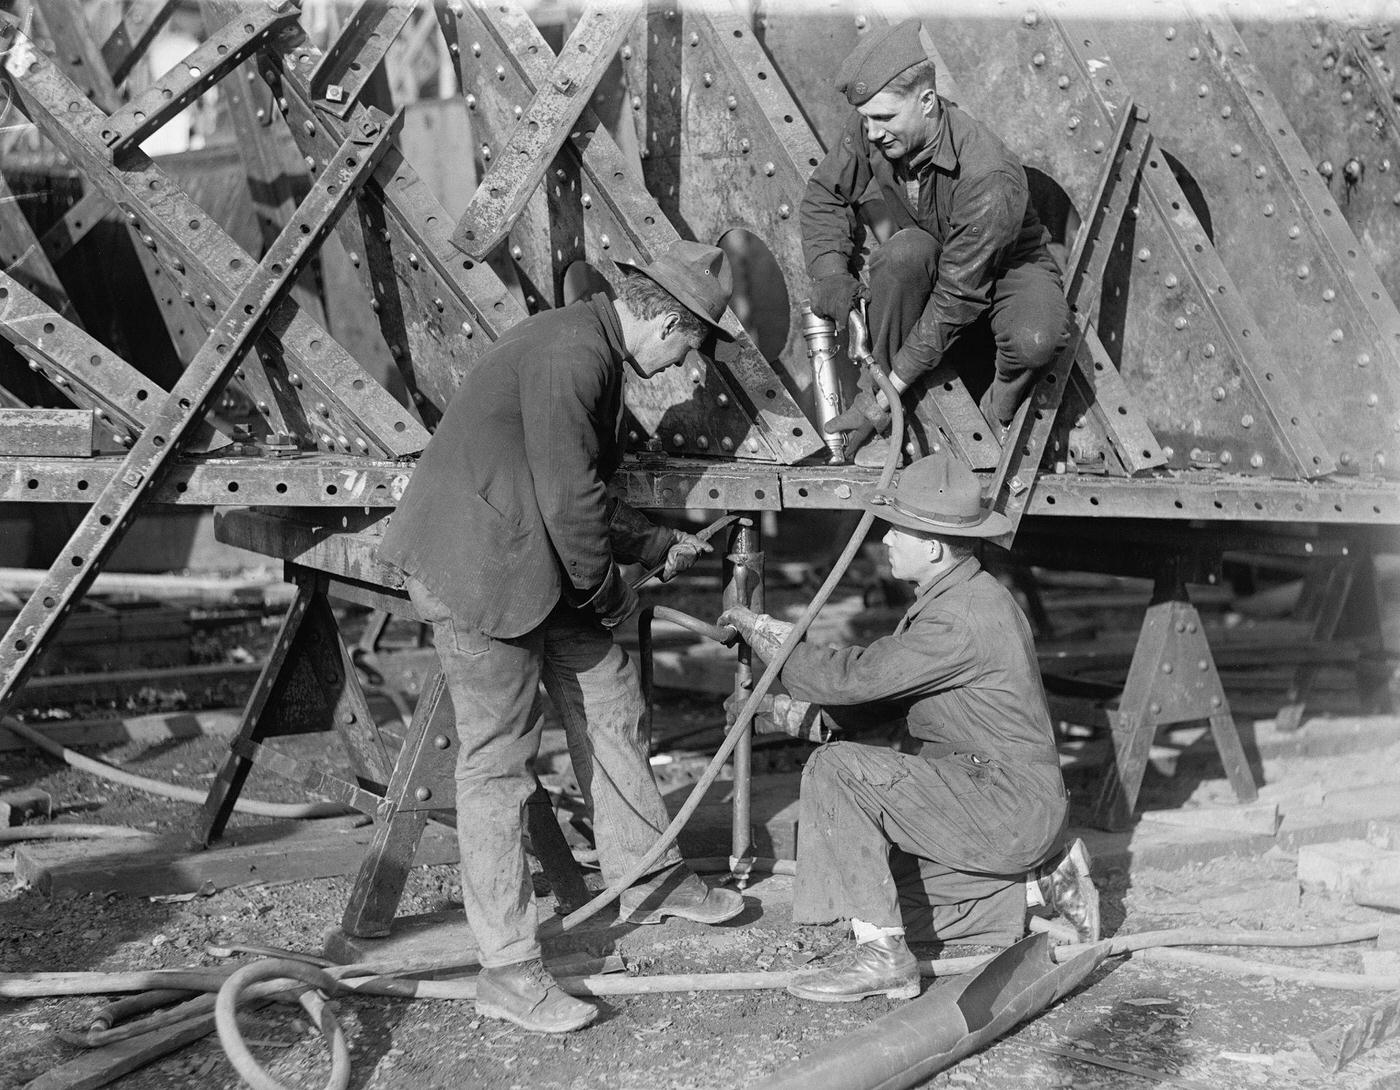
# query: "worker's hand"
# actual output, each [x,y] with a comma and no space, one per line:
[684,551]
[763,714]
[763,633]
[866,410]
[614,600]
[833,296]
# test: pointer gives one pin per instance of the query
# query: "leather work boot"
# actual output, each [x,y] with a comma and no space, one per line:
[525,993]
[677,891]
[1069,890]
[883,966]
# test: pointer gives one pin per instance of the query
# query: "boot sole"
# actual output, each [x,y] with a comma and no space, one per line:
[903,991]
[490,1010]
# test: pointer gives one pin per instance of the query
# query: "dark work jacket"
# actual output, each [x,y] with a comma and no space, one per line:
[973,199]
[507,507]
[960,666]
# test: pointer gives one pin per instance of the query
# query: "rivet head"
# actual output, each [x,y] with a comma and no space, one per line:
[1215,702]
[843,491]
[1227,111]
[1257,461]
[1226,457]
[1202,90]
[1098,147]
[1236,150]
[1144,254]
[694,38]
[678,440]
[1202,664]
[1260,171]
[1372,401]
[1247,421]
[1269,209]
[1303,272]
[784,211]
[1171,281]
[861,22]
[752,444]
[1325,168]
[708,79]
[1031,18]
[422,794]
[627,52]
[1170,33]
[1347,96]
[1038,60]
[604,241]
[703,443]
[769,169]
[1294,231]
[1208,351]
[1363,359]
[1218,393]
[745,145]
[1062,83]
[440,741]
[722,399]
[1179,323]
[1194,53]
[731,103]
[1072,123]
[1166,667]
[586,201]
[1328,295]
[1155,708]
[1352,170]
[726,443]
[1335,336]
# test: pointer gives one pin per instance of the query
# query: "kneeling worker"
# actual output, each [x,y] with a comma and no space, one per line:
[951,837]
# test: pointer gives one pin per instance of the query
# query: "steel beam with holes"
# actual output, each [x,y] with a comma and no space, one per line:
[624,222]
[232,337]
[560,97]
[1035,419]
[1331,325]
[220,54]
[73,226]
[126,46]
[276,174]
[88,373]
[76,51]
[322,390]
[348,64]
[439,311]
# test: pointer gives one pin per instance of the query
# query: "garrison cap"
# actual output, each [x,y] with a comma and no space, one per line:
[874,62]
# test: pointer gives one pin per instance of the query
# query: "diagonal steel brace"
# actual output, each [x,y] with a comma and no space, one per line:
[560,99]
[349,63]
[233,335]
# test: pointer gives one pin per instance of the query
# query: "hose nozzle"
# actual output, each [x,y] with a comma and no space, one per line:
[820,334]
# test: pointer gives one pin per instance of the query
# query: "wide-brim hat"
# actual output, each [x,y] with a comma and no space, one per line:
[939,495]
[698,276]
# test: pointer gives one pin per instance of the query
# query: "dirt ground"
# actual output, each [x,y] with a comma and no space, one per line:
[1176,1026]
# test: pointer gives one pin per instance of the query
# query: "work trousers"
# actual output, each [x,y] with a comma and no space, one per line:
[1028,315]
[940,845]
[494,685]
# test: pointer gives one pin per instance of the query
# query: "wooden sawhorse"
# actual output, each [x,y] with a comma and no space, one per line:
[309,684]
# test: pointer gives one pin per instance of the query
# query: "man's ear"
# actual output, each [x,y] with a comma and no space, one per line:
[935,551]
[668,325]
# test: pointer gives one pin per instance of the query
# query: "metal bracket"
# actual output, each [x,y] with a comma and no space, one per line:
[349,63]
[126,46]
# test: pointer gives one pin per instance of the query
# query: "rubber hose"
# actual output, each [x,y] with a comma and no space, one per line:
[760,690]
[1322,978]
[230,1037]
[103,770]
[120,1010]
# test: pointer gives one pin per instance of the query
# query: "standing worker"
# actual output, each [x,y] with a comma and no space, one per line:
[967,248]
[953,833]
[511,547]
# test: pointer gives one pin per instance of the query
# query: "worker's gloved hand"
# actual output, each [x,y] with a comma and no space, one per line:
[779,713]
[833,296]
[614,600]
[865,412]
[684,551]
[763,633]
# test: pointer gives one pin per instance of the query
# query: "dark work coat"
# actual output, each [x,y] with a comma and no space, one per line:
[507,507]
[961,670]
[972,198]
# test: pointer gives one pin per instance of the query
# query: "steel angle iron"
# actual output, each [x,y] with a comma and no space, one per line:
[229,341]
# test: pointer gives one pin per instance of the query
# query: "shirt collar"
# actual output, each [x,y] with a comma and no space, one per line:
[945,580]
[939,151]
[607,317]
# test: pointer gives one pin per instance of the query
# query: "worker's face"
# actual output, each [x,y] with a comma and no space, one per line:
[900,124]
[662,346]
[911,556]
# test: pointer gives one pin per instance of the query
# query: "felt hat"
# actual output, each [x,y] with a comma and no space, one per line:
[939,495]
[698,276]
[883,55]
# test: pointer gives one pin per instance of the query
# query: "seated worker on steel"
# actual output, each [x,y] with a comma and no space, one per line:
[954,832]
[967,248]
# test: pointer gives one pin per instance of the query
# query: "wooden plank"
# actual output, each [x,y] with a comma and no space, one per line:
[148,729]
[286,854]
[102,1066]
[1366,1028]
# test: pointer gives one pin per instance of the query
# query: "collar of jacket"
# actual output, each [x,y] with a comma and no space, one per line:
[607,317]
[945,581]
[939,151]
